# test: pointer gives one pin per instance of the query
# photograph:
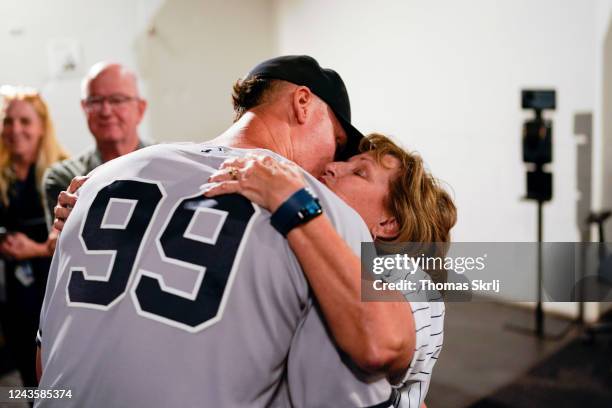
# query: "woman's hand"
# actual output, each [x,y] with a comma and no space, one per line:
[18,246]
[66,200]
[262,179]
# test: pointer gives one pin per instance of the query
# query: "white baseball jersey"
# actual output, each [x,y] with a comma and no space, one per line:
[160,297]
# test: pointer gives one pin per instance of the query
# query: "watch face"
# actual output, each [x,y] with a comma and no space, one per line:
[312,208]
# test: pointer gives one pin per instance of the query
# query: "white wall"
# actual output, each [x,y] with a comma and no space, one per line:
[105,30]
[603,118]
[195,52]
[187,54]
[442,76]
[605,122]
[445,77]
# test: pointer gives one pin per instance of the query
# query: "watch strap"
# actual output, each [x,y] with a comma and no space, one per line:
[299,208]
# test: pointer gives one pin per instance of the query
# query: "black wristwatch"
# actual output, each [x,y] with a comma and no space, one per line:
[300,208]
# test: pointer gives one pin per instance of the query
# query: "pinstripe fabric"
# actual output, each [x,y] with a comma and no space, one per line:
[429,328]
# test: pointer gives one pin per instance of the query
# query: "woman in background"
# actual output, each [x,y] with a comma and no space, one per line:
[27,147]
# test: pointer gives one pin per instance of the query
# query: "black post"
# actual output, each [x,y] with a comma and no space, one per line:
[537,144]
[539,313]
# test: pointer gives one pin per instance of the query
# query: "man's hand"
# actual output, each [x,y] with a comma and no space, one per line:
[66,201]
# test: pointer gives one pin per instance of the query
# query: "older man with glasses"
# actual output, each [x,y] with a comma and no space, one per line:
[114,109]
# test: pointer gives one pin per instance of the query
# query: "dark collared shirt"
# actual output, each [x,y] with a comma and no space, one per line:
[57,178]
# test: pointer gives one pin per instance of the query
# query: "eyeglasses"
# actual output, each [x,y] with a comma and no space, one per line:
[95,103]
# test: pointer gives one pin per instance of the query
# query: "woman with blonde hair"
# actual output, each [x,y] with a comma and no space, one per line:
[27,147]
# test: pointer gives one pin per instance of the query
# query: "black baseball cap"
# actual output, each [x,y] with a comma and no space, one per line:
[323,82]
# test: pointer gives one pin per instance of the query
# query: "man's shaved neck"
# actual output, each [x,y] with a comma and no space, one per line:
[253,131]
[266,126]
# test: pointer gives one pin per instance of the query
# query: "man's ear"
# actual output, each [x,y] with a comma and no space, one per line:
[386,228]
[142,107]
[302,103]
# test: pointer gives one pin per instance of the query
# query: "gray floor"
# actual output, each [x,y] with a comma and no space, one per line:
[12,380]
[481,354]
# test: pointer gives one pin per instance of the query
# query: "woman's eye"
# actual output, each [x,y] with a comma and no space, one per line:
[360,173]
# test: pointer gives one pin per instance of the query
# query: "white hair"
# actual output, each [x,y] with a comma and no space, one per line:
[99,67]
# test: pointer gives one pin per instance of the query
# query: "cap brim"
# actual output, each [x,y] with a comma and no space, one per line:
[353,139]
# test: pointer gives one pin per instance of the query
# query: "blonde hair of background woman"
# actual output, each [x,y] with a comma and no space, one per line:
[49,150]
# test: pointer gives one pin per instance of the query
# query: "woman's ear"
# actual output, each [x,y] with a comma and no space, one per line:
[387,228]
[302,103]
